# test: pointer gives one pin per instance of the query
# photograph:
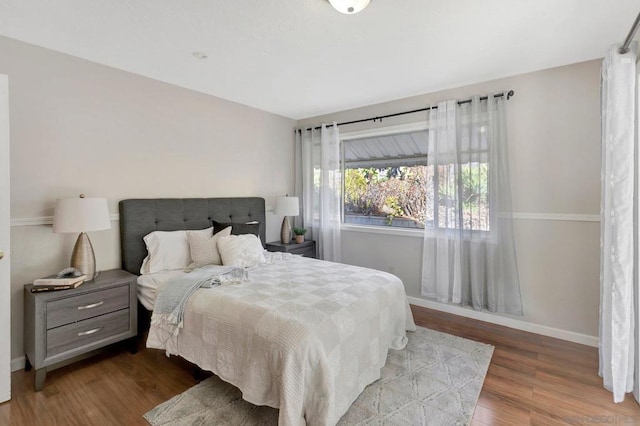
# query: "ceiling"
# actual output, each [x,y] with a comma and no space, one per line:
[301,58]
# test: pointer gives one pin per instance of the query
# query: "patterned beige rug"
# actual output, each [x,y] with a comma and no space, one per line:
[435,380]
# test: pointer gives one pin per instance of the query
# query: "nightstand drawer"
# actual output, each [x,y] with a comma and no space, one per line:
[306,248]
[88,305]
[85,332]
[304,251]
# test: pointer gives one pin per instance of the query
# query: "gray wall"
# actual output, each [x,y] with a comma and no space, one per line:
[554,134]
[79,127]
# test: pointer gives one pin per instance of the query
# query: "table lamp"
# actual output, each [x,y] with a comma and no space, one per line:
[82,215]
[286,206]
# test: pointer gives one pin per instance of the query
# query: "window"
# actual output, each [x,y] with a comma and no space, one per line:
[385,179]
[461,199]
[388,182]
[458,181]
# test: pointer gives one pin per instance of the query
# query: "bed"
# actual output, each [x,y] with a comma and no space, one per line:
[303,335]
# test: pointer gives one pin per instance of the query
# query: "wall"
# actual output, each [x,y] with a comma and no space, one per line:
[79,127]
[554,136]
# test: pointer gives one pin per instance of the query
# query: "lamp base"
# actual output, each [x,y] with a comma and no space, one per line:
[83,257]
[285,231]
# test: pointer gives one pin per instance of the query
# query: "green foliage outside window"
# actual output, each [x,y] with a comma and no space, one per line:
[388,192]
[413,192]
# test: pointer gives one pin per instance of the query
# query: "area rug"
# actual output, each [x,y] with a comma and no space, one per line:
[435,380]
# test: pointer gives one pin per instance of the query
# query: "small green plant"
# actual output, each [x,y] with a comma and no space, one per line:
[299,231]
[392,208]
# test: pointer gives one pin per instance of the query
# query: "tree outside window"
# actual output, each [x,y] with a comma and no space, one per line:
[406,192]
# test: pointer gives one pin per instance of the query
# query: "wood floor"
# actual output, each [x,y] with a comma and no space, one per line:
[532,380]
[535,380]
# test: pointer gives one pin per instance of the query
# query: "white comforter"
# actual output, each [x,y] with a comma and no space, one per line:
[303,335]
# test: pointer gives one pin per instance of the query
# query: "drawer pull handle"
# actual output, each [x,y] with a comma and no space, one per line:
[88,332]
[93,305]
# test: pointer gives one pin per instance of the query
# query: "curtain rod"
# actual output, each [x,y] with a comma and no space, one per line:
[625,46]
[510,93]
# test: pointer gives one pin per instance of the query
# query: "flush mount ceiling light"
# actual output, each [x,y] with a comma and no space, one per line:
[200,55]
[349,7]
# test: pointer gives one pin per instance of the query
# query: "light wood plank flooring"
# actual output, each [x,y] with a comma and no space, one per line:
[535,380]
[532,380]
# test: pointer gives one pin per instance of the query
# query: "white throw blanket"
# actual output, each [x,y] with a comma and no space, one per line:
[168,311]
[303,335]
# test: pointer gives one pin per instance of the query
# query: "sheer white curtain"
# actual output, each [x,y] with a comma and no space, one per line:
[319,185]
[469,253]
[617,222]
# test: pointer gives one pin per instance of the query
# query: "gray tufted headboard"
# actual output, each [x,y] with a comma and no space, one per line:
[138,217]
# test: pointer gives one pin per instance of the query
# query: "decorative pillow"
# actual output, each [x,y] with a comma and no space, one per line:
[204,248]
[241,250]
[167,251]
[237,228]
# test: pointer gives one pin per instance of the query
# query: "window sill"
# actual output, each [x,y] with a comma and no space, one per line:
[388,230]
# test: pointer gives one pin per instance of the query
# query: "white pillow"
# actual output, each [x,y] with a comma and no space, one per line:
[167,251]
[204,248]
[241,250]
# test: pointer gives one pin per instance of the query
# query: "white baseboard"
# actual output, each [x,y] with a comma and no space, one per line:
[17,364]
[544,330]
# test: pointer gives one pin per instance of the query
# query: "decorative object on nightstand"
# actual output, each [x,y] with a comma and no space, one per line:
[299,234]
[286,206]
[66,279]
[61,278]
[60,326]
[306,248]
[55,284]
[82,215]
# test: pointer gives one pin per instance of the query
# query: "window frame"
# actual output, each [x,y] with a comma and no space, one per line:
[373,132]
[436,217]
[481,233]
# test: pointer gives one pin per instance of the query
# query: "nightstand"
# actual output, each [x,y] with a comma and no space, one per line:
[67,325]
[307,249]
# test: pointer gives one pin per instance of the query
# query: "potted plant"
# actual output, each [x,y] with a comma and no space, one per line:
[299,234]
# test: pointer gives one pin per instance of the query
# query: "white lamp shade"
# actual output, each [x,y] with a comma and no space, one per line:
[81,215]
[349,7]
[287,206]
